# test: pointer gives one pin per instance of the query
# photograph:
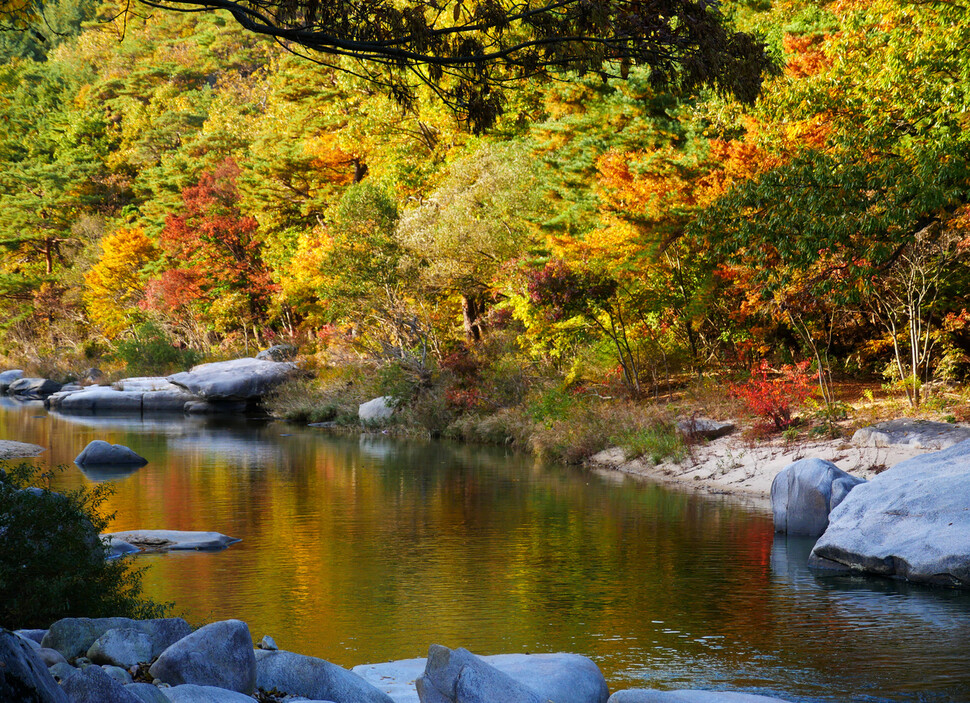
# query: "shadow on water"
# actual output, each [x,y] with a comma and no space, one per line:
[367,548]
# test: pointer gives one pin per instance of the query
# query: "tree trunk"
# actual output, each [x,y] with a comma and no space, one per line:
[469,313]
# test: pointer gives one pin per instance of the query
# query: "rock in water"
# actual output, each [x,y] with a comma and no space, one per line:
[317,679]
[458,676]
[33,388]
[910,522]
[100,452]
[805,492]
[219,654]
[23,676]
[239,379]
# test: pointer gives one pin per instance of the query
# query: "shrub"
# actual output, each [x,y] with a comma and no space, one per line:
[658,442]
[151,351]
[53,564]
[774,399]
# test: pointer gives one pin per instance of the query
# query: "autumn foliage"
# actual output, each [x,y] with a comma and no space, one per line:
[775,397]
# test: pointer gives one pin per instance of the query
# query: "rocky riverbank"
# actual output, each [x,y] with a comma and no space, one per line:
[116,660]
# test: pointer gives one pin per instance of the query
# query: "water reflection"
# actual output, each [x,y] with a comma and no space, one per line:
[361,549]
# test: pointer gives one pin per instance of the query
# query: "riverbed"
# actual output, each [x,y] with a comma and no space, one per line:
[367,549]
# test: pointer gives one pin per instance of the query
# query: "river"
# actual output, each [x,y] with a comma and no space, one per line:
[367,549]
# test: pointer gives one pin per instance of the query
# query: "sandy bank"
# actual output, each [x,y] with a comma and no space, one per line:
[735,465]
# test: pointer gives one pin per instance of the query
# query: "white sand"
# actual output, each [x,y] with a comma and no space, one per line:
[734,465]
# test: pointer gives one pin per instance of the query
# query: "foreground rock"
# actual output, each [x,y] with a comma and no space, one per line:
[316,679]
[93,685]
[805,492]
[642,695]
[561,677]
[101,453]
[73,637]
[458,676]
[236,380]
[910,522]
[169,540]
[912,433]
[23,676]
[219,654]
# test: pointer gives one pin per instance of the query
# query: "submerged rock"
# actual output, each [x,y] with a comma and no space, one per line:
[910,522]
[101,453]
[169,540]
[805,492]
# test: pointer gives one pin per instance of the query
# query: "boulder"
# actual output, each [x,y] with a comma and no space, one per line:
[171,540]
[122,646]
[72,637]
[911,433]
[117,673]
[61,671]
[95,399]
[376,410]
[33,635]
[239,379]
[278,352]
[49,656]
[909,522]
[219,654]
[93,685]
[102,453]
[145,384]
[805,492]
[644,695]
[561,677]
[704,428]
[215,407]
[147,693]
[33,388]
[23,676]
[309,677]
[92,375]
[118,547]
[8,377]
[268,643]
[191,693]
[458,676]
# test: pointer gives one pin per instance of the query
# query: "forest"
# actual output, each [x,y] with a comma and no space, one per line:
[177,189]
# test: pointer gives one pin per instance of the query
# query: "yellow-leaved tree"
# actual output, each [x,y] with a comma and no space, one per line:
[115,286]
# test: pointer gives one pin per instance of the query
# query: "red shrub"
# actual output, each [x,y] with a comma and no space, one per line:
[775,398]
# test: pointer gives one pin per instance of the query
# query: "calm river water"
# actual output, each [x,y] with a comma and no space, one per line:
[366,549]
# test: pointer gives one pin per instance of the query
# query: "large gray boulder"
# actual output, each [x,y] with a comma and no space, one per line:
[805,492]
[95,399]
[123,646]
[377,410]
[911,433]
[101,453]
[239,379]
[309,677]
[910,522]
[458,676]
[560,677]
[72,637]
[23,676]
[192,693]
[219,654]
[92,685]
[169,540]
[643,695]
[8,377]
[33,388]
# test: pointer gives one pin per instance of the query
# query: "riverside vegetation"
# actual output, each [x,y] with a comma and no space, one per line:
[179,190]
